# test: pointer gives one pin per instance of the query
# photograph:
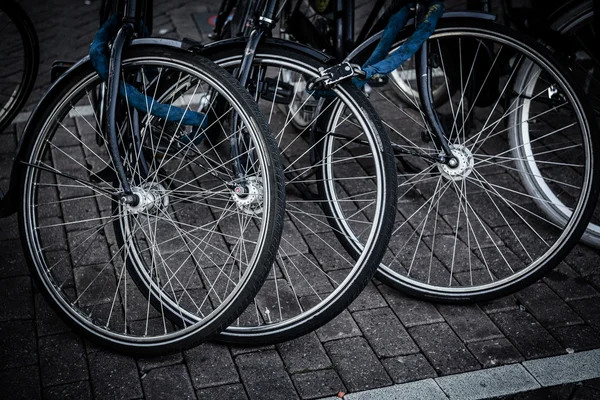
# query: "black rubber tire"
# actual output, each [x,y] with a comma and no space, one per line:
[361,277]
[35,136]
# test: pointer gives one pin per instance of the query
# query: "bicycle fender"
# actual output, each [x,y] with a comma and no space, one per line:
[214,47]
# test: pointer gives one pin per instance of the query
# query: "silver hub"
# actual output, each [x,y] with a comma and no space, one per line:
[152,198]
[464,167]
[252,201]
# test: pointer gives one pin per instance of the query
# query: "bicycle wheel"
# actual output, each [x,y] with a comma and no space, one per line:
[478,231]
[20,56]
[204,246]
[578,52]
[340,181]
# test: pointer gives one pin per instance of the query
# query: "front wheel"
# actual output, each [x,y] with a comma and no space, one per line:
[481,230]
[128,275]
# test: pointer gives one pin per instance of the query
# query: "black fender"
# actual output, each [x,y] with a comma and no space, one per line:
[208,50]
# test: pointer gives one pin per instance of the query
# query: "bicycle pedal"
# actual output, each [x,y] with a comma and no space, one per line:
[58,68]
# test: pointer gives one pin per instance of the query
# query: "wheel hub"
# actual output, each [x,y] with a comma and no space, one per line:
[152,198]
[250,202]
[464,165]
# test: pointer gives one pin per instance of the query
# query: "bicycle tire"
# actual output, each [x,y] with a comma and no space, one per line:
[31,59]
[575,24]
[515,251]
[331,282]
[82,245]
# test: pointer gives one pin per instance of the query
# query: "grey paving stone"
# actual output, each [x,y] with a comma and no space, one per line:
[237,350]
[409,368]
[210,365]
[305,353]
[552,393]
[305,275]
[411,312]
[569,285]
[566,368]
[526,334]
[168,383]
[495,352]
[593,383]
[21,383]
[369,298]
[292,242]
[114,376]
[589,310]
[342,326]
[547,307]
[508,303]
[585,393]
[71,391]
[229,392]
[488,383]
[426,389]
[316,384]
[183,22]
[329,251]
[385,333]
[47,322]
[583,260]
[88,251]
[9,229]
[18,302]
[13,263]
[8,144]
[443,348]
[54,238]
[62,359]
[577,337]
[469,322]
[18,345]
[357,365]
[264,376]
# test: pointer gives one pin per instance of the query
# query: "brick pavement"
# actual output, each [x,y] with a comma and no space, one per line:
[382,339]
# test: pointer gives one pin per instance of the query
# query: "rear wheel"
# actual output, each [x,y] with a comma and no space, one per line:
[339,183]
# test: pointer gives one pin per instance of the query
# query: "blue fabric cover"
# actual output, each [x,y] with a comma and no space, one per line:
[100,56]
[378,63]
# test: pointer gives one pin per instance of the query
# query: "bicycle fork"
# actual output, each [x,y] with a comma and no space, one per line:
[423,69]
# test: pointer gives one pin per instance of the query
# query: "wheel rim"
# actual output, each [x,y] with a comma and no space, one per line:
[457,267]
[328,289]
[88,278]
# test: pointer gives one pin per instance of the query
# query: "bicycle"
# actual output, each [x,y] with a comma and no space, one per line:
[114,173]
[339,181]
[20,60]
[479,230]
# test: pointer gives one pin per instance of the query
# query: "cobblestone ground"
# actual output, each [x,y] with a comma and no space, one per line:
[383,338]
